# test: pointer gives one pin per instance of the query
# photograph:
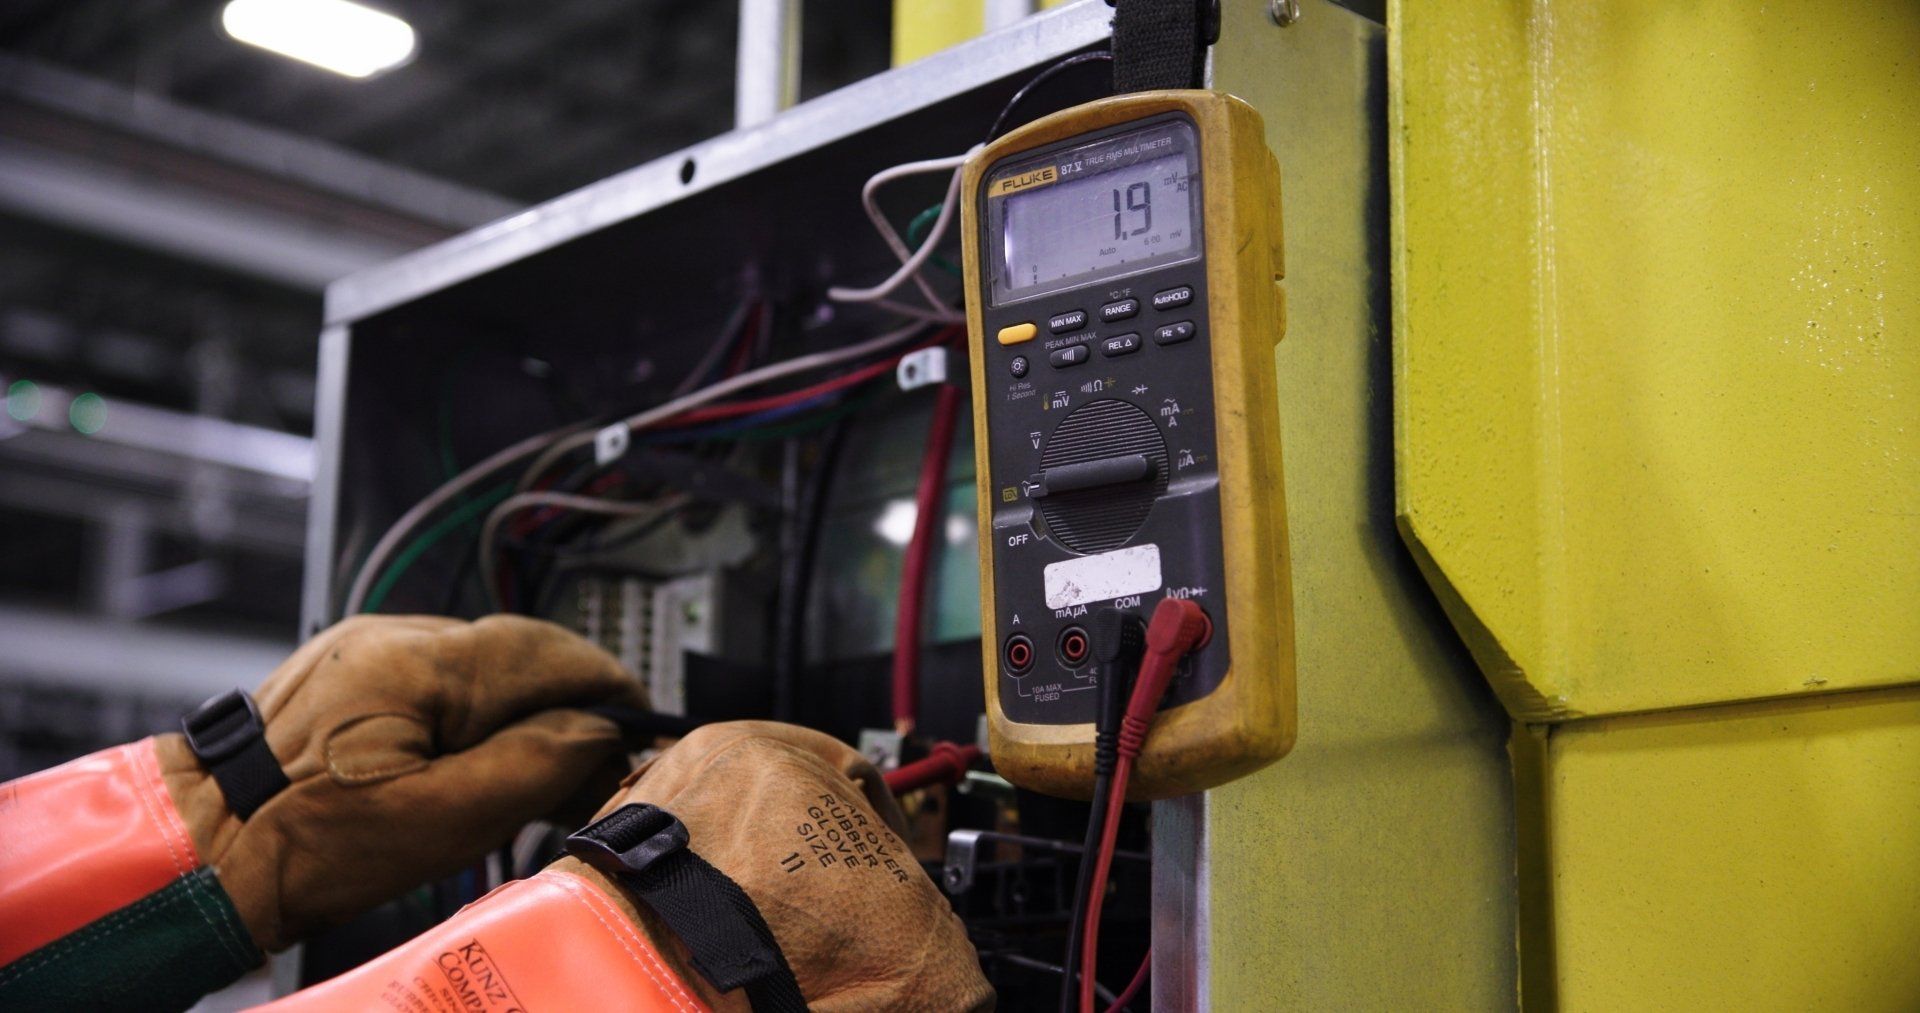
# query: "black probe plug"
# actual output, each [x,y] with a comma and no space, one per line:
[1119,641]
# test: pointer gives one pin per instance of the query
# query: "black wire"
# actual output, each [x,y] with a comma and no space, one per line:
[1117,642]
[1000,121]
[796,572]
[641,727]
[469,557]
[597,545]
[1083,892]
[1022,960]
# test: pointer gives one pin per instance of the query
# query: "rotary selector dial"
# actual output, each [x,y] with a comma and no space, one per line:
[1100,472]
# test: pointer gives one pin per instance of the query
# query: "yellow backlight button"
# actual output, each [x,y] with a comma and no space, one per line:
[1017,333]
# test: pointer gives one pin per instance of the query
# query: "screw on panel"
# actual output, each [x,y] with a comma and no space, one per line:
[1283,12]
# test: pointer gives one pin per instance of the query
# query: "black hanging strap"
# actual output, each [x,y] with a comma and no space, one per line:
[1162,43]
[644,849]
[229,737]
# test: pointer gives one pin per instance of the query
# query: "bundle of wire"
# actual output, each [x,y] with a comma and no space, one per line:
[676,419]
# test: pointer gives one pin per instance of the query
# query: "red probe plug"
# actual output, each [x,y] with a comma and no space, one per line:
[1178,626]
[945,763]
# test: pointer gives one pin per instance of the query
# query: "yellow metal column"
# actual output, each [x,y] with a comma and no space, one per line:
[1657,394]
[1373,868]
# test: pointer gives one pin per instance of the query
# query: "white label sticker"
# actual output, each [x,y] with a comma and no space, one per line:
[1132,570]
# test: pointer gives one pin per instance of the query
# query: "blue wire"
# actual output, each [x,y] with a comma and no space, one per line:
[745,422]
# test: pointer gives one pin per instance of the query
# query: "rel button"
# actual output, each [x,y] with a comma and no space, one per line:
[1120,344]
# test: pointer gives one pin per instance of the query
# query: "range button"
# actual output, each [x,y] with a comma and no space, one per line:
[1173,297]
[1119,310]
[1069,321]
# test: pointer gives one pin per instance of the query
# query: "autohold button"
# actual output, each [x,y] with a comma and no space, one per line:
[1173,334]
[1072,355]
[1067,322]
[1119,310]
[1018,367]
[1120,344]
[1173,297]
[1016,333]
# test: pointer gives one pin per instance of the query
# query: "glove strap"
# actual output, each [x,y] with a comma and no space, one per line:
[230,739]
[644,849]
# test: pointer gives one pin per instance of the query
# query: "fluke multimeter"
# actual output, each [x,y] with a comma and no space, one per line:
[1122,266]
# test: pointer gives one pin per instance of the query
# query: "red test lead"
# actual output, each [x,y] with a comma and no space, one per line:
[1178,626]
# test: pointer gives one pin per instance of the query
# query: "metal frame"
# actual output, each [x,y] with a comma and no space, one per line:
[805,127]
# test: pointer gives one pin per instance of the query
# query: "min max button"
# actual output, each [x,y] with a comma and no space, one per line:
[1070,321]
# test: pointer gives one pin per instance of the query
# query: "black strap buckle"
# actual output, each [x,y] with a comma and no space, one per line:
[629,839]
[222,727]
[230,738]
[645,849]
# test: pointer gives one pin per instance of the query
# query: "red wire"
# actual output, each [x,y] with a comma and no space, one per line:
[741,351]
[733,409]
[1103,863]
[1133,987]
[928,521]
[1178,626]
[946,763]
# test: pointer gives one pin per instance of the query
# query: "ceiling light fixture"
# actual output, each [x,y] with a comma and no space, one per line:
[336,35]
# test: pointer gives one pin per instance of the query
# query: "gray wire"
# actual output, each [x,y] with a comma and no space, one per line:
[569,438]
[489,568]
[752,378]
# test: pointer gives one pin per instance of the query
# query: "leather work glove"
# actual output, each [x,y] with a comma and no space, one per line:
[798,820]
[414,745]
[806,826]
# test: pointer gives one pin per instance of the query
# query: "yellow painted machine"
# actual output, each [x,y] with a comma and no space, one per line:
[1599,393]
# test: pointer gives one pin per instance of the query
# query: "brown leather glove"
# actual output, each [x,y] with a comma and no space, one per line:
[414,745]
[808,829]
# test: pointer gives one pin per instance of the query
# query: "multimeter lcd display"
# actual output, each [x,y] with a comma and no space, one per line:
[1095,212]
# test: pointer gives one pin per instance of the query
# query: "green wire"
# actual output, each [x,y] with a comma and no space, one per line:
[412,553]
[918,228]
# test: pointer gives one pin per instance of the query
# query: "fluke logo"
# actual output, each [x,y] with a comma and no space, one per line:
[1024,181]
[477,983]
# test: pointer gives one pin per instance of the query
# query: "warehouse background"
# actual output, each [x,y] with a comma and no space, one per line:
[172,204]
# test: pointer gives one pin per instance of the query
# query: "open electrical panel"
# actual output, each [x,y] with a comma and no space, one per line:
[759,569]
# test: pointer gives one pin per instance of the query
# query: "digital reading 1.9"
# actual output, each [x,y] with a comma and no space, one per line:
[1110,211]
